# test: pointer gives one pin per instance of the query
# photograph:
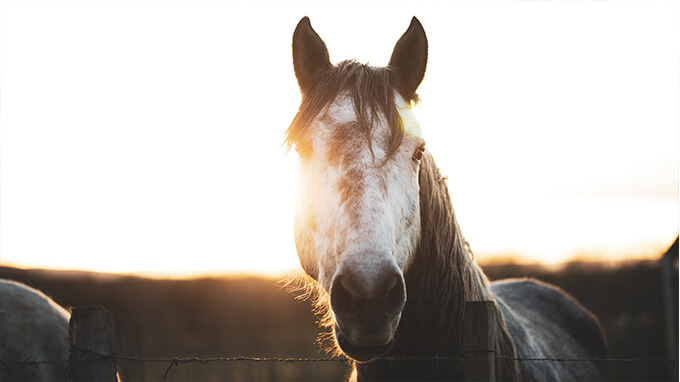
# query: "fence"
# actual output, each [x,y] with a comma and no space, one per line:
[93,356]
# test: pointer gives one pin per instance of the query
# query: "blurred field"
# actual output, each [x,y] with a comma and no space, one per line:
[228,317]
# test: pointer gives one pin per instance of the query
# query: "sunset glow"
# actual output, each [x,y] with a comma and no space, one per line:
[146,137]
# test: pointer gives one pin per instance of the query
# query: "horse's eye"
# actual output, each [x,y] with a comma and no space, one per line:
[418,154]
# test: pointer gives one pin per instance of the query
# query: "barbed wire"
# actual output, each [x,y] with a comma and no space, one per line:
[613,360]
[177,361]
[90,356]
[31,361]
[183,360]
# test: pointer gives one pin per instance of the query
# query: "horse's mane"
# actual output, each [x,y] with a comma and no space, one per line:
[372,94]
[442,277]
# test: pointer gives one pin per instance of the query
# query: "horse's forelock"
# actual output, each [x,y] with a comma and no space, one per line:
[371,92]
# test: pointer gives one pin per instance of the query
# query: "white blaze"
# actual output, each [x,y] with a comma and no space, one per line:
[382,215]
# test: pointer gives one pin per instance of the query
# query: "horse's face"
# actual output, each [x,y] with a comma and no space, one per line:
[357,219]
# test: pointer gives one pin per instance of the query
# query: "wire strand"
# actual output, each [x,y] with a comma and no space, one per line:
[189,359]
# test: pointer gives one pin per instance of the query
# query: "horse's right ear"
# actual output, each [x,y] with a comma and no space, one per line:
[309,54]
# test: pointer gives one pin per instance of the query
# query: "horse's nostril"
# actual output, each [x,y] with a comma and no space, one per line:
[396,296]
[341,298]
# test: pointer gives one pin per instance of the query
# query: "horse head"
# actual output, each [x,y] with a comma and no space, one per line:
[357,219]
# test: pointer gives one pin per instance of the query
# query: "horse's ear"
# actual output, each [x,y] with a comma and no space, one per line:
[309,54]
[409,59]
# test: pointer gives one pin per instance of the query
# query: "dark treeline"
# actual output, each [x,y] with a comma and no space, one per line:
[229,317]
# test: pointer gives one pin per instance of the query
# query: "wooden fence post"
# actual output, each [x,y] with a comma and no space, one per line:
[479,342]
[92,345]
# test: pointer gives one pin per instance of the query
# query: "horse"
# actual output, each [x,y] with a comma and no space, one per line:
[32,328]
[377,237]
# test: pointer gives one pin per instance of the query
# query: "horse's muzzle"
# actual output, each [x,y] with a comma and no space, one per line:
[367,304]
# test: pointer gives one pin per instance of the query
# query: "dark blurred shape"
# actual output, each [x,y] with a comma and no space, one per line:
[627,297]
[669,265]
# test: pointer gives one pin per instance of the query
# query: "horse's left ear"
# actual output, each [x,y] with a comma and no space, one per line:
[409,59]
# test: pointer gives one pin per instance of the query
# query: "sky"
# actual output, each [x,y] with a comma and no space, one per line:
[146,136]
